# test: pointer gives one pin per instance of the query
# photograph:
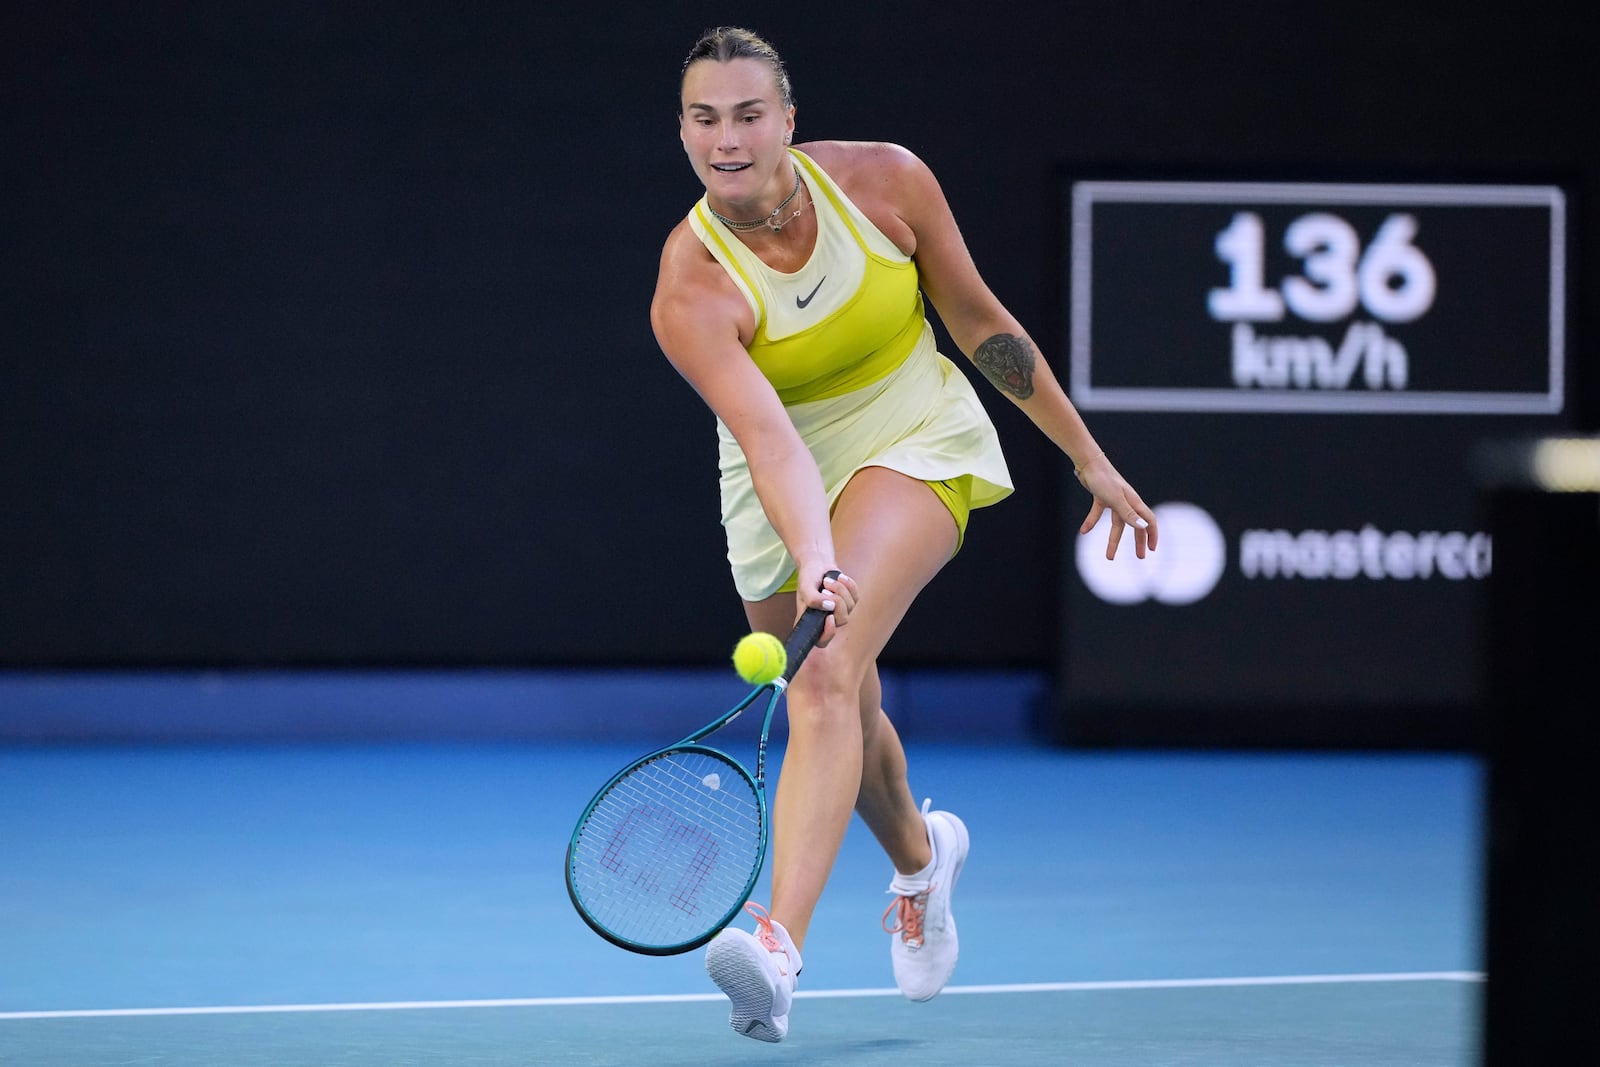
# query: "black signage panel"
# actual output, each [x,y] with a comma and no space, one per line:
[1317,297]
[1295,375]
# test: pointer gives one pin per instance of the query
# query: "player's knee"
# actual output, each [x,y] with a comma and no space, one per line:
[825,694]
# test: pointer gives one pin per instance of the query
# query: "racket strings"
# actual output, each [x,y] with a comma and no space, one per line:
[670,850]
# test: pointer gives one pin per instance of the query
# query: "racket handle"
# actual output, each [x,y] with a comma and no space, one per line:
[803,638]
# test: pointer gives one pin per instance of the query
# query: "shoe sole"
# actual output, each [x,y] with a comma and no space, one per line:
[742,978]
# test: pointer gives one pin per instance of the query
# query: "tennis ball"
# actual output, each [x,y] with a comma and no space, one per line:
[759,658]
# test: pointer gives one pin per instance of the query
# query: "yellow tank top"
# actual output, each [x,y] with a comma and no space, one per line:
[845,319]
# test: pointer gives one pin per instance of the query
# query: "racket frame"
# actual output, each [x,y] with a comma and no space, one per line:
[797,647]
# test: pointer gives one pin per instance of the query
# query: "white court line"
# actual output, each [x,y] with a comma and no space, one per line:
[680,998]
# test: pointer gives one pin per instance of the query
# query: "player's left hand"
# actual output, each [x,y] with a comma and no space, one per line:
[837,596]
[1128,510]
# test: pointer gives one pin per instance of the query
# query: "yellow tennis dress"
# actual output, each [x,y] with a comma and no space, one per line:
[845,342]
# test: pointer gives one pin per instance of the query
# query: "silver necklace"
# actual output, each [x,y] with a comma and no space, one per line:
[770,220]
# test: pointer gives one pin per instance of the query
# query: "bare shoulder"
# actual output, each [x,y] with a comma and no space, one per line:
[682,249]
[686,263]
[693,291]
[887,181]
[865,163]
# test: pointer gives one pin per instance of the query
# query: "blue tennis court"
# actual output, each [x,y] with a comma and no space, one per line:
[402,903]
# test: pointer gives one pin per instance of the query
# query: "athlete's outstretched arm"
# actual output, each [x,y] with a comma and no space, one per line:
[1003,352]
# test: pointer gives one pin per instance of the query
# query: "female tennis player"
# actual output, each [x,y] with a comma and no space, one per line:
[791,299]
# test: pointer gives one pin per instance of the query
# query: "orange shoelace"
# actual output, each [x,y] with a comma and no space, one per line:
[908,913]
[764,934]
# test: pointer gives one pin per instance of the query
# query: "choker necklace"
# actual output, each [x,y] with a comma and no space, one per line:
[771,220]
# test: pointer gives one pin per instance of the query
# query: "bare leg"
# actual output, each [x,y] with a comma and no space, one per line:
[892,534]
[886,803]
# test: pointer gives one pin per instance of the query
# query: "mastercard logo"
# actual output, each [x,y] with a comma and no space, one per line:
[1185,568]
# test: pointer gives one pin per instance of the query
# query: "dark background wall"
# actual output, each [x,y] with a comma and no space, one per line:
[325,332]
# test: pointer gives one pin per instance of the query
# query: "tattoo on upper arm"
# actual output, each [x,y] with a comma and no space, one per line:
[1007,360]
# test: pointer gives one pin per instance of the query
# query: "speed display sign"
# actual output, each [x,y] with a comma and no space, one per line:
[1317,297]
[1295,376]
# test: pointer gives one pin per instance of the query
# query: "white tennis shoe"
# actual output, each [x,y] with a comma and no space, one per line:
[759,973]
[923,944]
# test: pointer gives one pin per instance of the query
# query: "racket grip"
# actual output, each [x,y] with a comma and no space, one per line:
[803,638]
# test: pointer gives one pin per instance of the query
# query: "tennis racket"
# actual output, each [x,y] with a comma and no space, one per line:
[668,851]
